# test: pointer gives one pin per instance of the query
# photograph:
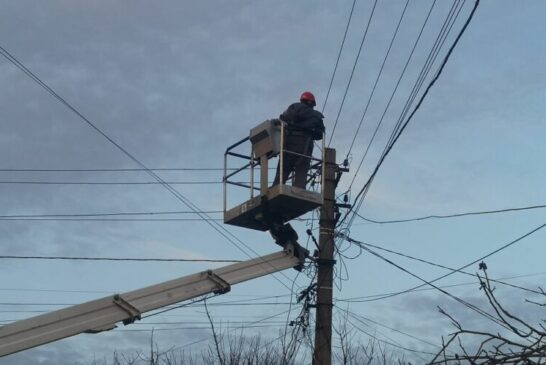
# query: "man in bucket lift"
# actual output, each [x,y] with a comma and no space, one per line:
[304,124]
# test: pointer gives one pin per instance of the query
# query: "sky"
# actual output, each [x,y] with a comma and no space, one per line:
[176,82]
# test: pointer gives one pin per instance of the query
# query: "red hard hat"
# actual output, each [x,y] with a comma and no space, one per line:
[308,96]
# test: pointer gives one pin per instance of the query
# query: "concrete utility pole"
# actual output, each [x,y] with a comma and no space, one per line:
[323,327]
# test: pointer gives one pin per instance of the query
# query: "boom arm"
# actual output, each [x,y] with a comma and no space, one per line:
[102,314]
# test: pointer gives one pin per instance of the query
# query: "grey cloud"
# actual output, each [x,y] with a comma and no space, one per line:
[176,82]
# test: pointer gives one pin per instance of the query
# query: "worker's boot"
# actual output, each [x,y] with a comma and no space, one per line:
[283,234]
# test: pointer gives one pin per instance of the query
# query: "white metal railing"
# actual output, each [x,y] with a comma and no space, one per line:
[316,166]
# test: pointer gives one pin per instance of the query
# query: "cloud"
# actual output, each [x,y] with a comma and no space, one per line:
[175,83]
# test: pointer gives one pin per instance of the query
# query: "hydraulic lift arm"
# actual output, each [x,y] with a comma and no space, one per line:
[103,314]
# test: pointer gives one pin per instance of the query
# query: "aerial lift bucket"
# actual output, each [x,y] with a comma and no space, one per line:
[279,203]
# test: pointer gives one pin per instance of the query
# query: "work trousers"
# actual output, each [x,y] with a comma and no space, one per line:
[299,165]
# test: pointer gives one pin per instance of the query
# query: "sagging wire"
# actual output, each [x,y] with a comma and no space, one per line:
[307,297]
[339,276]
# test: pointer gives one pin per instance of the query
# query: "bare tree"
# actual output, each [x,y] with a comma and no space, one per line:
[522,343]
[234,348]
[350,353]
[215,337]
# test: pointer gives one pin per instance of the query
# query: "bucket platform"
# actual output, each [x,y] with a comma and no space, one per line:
[261,201]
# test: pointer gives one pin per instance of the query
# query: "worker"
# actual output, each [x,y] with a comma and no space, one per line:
[303,126]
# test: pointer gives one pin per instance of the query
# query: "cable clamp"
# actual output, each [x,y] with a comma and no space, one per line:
[324,304]
[324,288]
[330,262]
[223,286]
[327,230]
[130,309]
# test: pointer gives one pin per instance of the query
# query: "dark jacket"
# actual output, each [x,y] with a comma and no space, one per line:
[301,117]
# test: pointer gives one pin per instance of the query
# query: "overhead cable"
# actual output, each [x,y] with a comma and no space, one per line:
[390,343]
[370,97]
[233,329]
[431,59]
[367,319]
[109,214]
[446,267]
[353,71]
[446,28]
[232,239]
[456,215]
[110,182]
[364,298]
[405,124]
[122,169]
[338,56]
[392,94]
[114,219]
[473,262]
[134,259]
[430,283]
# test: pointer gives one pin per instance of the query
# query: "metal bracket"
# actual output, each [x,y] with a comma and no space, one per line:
[223,286]
[294,248]
[130,309]
[326,262]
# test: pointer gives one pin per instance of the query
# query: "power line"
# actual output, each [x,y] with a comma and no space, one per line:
[255,297]
[339,55]
[57,291]
[430,283]
[234,240]
[201,322]
[451,17]
[431,58]
[191,304]
[114,219]
[229,302]
[503,247]
[393,38]
[446,28]
[207,324]
[114,182]
[51,215]
[353,314]
[84,218]
[405,124]
[68,219]
[233,329]
[365,297]
[348,300]
[451,215]
[390,343]
[122,169]
[192,328]
[80,258]
[446,267]
[438,44]
[392,94]
[127,219]
[353,71]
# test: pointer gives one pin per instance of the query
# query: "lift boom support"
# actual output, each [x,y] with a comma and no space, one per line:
[103,314]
